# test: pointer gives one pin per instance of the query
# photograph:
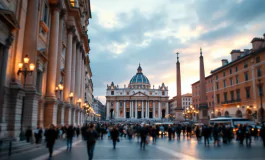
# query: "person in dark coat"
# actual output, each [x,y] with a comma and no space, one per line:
[83,132]
[28,134]
[216,134]
[51,136]
[188,131]
[206,133]
[240,134]
[262,134]
[178,130]
[143,134]
[92,136]
[69,136]
[40,135]
[169,130]
[154,133]
[114,136]
[77,131]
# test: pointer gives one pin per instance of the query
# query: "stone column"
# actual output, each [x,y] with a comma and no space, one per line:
[146,109]
[68,64]
[148,112]
[60,45]
[136,110]
[142,109]
[30,110]
[117,109]
[73,117]
[159,109]
[124,109]
[60,118]
[154,109]
[73,70]
[81,77]
[51,105]
[77,73]
[107,118]
[130,109]
[166,108]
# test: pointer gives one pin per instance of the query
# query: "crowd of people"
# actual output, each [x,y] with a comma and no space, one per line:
[92,132]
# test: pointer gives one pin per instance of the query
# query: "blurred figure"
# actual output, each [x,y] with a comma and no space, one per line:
[28,134]
[153,134]
[240,134]
[206,133]
[77,131]
[69,136]
[262,134]
[178,130]
[50,139]
[143,134]
[92,136]
[114,136]
[169,130]
[188,131]
[247,130]
[216,134]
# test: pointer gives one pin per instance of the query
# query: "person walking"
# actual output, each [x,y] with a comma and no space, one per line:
[28,134]
[51,136]
[240,134]
[178,130]
[169,131]
[69,136]
[216,135]
[114,136]
[247,130]
[143,134]
[262,134]
[77,131]
[92,136]
[206,133]
[153,133]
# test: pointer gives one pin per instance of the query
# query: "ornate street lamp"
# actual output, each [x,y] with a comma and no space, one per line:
[79,101]
[71,95]
[27,70]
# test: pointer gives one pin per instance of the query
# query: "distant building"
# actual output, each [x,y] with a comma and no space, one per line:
[237,88]
[186,101]
[99,109]
[137,101]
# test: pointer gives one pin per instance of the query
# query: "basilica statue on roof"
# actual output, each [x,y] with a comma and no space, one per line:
[137,101]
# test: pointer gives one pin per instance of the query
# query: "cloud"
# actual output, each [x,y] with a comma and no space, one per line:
[151,32]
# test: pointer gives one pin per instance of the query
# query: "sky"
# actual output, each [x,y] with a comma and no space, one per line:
[124,33]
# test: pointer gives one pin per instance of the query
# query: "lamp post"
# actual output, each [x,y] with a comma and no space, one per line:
[79,102]
[71,95]
[27,70]
[260,95]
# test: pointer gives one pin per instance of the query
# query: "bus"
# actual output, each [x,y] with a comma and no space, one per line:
[232,121]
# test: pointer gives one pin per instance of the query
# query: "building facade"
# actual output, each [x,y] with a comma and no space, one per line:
[99,109]
[137,101]
[186,102]
[237,88]
[44,58]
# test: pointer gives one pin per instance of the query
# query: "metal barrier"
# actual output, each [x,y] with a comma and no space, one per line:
[10,140]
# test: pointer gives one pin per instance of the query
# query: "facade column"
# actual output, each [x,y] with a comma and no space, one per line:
[60,45]
[130,109]
[166,108]
[60,114]
[154,109]
[77,73]
[51,104]
[146,109]
[136,110]
[142,109]
[82,77]
[124,109]
[30,111]
[68,64]
[159,109]
[107,111]
[73,70]
[116,110]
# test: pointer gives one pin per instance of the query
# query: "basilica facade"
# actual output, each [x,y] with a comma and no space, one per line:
[139,100]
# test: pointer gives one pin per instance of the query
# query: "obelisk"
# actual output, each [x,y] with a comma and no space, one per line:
[179,110]
[203,105]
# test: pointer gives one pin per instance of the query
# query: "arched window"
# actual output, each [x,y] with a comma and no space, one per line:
[219,114]
[238,113]
[226,114]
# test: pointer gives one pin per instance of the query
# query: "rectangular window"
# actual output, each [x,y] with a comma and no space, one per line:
[216,77]
[223,74]
[231,81]
[236,69]
[237,79]
[230,70]
[246,64]
[224,83]
[238,94]
[218,98]
[260,90]
[259,73]
[257,59]
[112,92]
[217,85]
[246,76]
[232,95]
[225,96]
[120,104]
[45,14]
[247,92]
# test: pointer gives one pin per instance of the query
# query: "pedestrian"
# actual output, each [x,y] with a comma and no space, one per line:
[51,136]
[247,130]
[262,134]
[114,136]
[92,136]
[178,130]
[216,135]
[36,135]
[255,133]
[153,133]
[198,133]
[28,134]
[188,131]
[143,134]
[240,134]
[69,136]
[77,131]
[169,132]
[40,135]
[206,133]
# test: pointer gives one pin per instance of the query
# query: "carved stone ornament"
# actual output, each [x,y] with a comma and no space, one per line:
[9,40]
[71,29]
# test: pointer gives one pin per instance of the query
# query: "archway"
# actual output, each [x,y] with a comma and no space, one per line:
[219,114]
[238,113]
[226,114]
[249,114]
[163,113]
[111,113]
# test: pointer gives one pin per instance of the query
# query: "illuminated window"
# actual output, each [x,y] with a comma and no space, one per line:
[73,3]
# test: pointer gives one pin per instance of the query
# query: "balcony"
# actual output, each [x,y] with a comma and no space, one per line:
[231,101]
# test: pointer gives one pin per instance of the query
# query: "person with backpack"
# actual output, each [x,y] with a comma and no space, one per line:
[92,136]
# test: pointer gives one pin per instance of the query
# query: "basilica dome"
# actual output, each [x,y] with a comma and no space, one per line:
[139,80]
